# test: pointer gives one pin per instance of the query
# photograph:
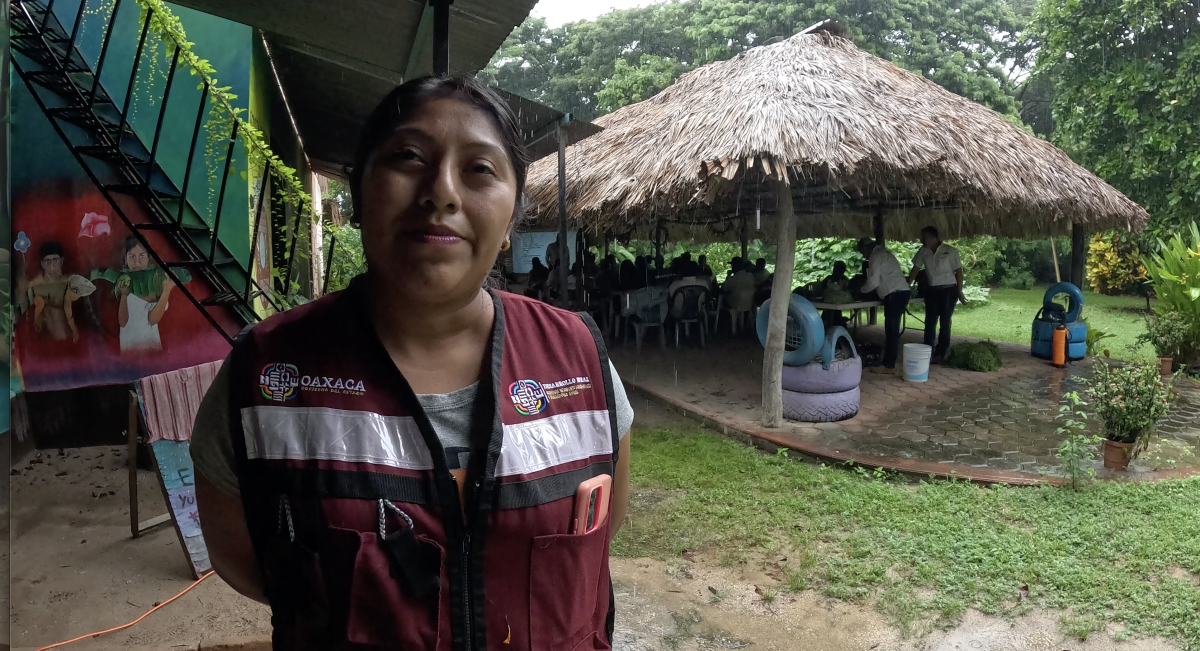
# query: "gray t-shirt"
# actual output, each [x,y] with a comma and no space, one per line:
[448,413]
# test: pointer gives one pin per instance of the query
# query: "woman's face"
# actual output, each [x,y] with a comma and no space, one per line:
[137,259]
[438,196]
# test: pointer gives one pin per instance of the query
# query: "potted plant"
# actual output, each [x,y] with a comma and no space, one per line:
[1166,333]
[1129,400]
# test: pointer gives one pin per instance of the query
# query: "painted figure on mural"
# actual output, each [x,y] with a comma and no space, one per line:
[53,293]
[141,310]
[143,290]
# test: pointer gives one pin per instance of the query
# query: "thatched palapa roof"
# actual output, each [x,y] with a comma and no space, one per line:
[853,134]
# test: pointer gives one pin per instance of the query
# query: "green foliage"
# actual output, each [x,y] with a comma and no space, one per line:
[981,356]
[976,296]
[1008,263]
[969,49]
[1077,452]
[1113,265]
[1167,333]
[1094,337]
[1175,273]
[1126,98]
[1129,399]
[979,256]
[167,28]
[348,260]
[633,83]
[1114,551]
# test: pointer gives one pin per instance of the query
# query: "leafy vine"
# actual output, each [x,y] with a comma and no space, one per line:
[223,115]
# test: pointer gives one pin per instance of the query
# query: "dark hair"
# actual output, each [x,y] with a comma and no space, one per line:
[932,231]
[866,242]
[130,242]
[51,248]
[761,263]
[839,265]
[394,109]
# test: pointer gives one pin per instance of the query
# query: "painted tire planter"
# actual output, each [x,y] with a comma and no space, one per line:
[808,320]
[829,349]
[1074,300]
[820,407]
[842,375]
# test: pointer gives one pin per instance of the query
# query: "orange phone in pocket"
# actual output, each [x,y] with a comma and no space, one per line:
[591,504]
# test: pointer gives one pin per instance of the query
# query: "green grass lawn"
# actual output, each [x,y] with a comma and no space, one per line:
[1125,553]
[1009,317]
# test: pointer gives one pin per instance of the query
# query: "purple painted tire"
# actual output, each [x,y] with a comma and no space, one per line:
[820,407]
[843,375]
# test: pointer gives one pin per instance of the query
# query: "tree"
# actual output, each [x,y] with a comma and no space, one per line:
[1126,96]
[631,84]
[972,48]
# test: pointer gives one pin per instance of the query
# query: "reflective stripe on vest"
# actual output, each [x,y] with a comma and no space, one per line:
[330,426]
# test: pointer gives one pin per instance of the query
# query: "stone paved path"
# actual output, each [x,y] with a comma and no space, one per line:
[1001,421]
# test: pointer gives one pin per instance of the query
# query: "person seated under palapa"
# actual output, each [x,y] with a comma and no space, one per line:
[689,277]
[834,291]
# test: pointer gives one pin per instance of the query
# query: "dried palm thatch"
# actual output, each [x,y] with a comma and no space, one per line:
[852,134]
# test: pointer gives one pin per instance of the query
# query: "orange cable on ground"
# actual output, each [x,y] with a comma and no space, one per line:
[121,628]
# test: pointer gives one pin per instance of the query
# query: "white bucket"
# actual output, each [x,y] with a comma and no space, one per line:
[916,362]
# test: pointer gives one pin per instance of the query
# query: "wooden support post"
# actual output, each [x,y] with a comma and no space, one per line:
[880,234]
[781,296]
[1078,253]
[441,37]
[745,239]
[564,251]
[136,526]
[1054,254]
[131,441]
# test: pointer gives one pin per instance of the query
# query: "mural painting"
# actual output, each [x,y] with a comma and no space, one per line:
[92,305]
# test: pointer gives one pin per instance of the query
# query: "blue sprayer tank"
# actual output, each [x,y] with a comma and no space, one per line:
[1052,314]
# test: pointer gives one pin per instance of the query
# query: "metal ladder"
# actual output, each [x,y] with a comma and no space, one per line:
[99,135]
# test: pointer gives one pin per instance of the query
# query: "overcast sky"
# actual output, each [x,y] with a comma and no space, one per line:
[557,12]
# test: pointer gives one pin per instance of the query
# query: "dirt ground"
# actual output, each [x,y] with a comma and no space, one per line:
[76,570]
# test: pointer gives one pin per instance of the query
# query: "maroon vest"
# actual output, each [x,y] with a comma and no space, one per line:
[357,521]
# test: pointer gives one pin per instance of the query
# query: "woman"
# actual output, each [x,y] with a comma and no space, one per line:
[395,465]
[137,315]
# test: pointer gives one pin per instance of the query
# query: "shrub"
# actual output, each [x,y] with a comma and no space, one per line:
[1016,278]
[976,296]
[1129,400]
[982,356]
[1166,333]
[1113,264]
[1175,273]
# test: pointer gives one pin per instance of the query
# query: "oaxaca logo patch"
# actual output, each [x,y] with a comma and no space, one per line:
[279,381]
[528,397]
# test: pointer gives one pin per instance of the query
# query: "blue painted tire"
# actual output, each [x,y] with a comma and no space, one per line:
[829,349]
[812,330]
[1074,302]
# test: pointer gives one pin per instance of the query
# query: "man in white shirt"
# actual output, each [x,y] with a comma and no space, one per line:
[885,278]
[941,263]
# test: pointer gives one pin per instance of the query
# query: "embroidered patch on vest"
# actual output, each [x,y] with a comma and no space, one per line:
[279,381]
[528,396]
[531,397]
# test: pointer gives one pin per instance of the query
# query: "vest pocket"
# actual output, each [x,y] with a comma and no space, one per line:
[564,588]
[381,610]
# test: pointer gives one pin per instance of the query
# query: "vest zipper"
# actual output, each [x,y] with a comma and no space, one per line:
[466,567]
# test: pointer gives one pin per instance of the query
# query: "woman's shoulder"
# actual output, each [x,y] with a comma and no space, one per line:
[309,319]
